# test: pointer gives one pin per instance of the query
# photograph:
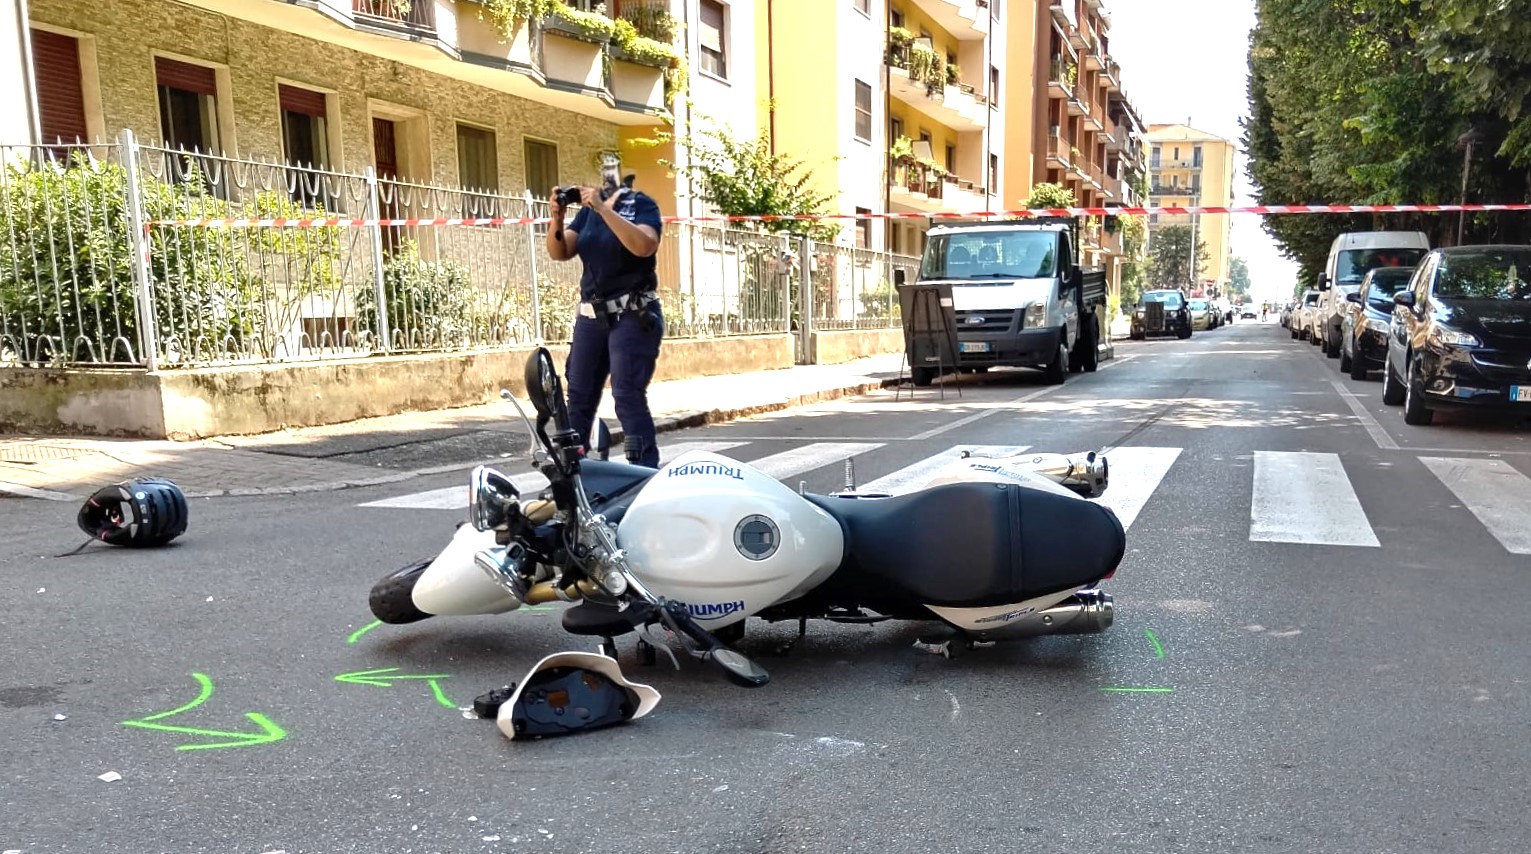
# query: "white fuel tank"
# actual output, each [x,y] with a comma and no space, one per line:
[726,539]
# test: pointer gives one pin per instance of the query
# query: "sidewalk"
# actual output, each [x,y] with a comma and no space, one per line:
[293,461]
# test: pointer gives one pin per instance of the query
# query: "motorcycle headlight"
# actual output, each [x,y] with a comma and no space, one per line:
[491,496]
[1455,339]
[1036,315]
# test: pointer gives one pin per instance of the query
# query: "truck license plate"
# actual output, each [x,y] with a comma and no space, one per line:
[983,347]
[1520,393]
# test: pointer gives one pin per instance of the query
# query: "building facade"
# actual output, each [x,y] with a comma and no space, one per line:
[1193,168]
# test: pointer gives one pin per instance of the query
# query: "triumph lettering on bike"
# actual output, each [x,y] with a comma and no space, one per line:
[706,468]
[715,610]
[1006,617]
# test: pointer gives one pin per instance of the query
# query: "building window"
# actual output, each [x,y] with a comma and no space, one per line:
[713,43]
[60,88]
[863,111]
[478,169]
[895,129]
[188,105]
[1196,156]
[951,158]
[896,18]
[863,228]
[993,173]
[994,8]
[541,167]
[306,141]
[993,88]
[864,7]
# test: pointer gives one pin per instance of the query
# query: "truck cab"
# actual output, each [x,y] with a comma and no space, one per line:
[1351,256]
[1019,298]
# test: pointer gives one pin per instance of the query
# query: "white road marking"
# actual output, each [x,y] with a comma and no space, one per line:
[1135,475]
[456,497]
[903,480]
[1306,498]
[994,409]
[1373,427]
[1495,492]
[809,457]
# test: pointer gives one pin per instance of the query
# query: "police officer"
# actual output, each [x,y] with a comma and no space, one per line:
[619,325]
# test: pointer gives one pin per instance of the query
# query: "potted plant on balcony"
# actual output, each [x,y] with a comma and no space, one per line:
[899,40]
[928,67]
[900,158]
[593,27]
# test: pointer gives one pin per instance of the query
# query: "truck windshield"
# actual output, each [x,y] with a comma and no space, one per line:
[1353,264]
[991,255]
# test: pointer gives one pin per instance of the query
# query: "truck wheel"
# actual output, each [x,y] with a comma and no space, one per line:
[1183,332]
[1090,343]
[1057,372]
[922,376]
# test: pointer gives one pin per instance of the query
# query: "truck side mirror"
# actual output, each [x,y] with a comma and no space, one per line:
[1355,297]
[898,278]
[1323,281]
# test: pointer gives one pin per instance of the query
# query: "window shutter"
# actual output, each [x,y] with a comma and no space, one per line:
[711,31]
[305,102]
[60,96]
[184,75]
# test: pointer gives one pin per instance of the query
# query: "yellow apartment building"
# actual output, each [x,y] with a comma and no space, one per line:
[1193,168]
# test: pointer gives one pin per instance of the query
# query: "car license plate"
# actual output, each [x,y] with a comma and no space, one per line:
[983,347]
[1520,393]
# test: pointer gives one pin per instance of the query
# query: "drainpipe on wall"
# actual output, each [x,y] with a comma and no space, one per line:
[888,225]
[771,70]
[28,85]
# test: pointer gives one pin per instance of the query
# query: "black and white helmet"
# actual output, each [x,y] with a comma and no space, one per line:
[139,513]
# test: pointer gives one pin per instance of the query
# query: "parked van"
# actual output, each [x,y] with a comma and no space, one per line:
[1351,257]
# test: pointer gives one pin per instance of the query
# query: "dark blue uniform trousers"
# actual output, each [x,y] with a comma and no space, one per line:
[626,352]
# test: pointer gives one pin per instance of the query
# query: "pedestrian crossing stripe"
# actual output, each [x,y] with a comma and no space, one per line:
[1297,498]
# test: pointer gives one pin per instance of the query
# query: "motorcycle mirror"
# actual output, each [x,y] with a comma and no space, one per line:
[491,495]
[602,445]
[536,390]
[739,669]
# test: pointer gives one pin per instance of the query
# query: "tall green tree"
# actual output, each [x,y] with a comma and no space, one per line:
[1238,278]
[1169,264]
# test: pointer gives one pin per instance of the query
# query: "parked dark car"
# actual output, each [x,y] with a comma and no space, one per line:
[1368,316]
[1461,333]
[1162,312]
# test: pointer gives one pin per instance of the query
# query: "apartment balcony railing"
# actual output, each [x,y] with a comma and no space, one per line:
[1175,191]
[926,81]
[1113,185]
[1058,148]
[1097,175]
[1061,81]
[1166,163]
[415,14]
[916,177]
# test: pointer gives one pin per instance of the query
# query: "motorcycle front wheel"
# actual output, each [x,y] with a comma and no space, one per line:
[390,599]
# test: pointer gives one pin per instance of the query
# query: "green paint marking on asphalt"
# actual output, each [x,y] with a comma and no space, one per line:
[363,630]
[269,731]
[441,697]
[1139,690]
[1154,639]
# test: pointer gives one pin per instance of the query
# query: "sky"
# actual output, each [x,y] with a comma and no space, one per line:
[1189,59]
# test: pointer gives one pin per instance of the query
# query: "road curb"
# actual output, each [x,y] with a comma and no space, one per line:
[665,424]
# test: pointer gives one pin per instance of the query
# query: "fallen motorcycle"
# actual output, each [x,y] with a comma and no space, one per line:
[993,548]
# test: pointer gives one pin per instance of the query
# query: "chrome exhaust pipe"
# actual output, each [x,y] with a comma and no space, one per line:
[1088,612]
[1085,473]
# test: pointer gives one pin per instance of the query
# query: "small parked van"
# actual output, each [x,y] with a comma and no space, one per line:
[1351,257]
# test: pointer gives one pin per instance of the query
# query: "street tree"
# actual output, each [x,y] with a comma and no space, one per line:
[1238,278]
[1169,263]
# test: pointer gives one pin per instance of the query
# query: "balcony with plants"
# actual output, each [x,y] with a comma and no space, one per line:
[918,182]
[922,78]
[1062,79]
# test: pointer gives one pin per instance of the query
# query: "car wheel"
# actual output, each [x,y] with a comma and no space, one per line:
[1345,359]
[1392,389]
[1414,409]
[1357,367]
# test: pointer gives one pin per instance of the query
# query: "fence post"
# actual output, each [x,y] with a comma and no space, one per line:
[380,293]
[805,297]
[139,244]
[531,260]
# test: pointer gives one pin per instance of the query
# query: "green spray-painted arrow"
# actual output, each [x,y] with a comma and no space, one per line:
[269,730]
[384,677]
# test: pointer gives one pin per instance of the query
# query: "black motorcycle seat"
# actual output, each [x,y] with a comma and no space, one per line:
[976,544]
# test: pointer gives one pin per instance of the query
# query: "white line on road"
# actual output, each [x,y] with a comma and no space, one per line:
[31,492]
[916,473]
[1135,475]
[994,409]
[809,457]
[1306,498]
[1373,427]
[456,497]
[1495,492]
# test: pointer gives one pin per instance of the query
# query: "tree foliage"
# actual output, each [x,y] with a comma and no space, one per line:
[1238,278]
[1169,265]
[1363,101]
[1045,195]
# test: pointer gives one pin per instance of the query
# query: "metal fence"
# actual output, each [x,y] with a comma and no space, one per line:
[85,281]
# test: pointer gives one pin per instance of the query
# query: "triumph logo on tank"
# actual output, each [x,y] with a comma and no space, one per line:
[715,610]
[707,468]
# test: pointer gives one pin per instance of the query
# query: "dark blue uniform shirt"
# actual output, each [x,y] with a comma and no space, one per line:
[611,270]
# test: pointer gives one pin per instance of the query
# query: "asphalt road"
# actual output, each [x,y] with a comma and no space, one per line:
[1340,634]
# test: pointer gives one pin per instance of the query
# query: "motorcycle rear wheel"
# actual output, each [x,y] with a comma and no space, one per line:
[391,599]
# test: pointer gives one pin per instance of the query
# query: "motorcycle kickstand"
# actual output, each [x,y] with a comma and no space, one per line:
[785,649]
[647,655]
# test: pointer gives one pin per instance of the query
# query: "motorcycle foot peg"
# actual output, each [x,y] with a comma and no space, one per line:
[488,705]
[738,668]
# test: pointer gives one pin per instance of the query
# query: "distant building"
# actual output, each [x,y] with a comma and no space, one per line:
[1193,168]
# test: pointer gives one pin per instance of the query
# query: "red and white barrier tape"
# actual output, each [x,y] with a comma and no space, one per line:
[348,222]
